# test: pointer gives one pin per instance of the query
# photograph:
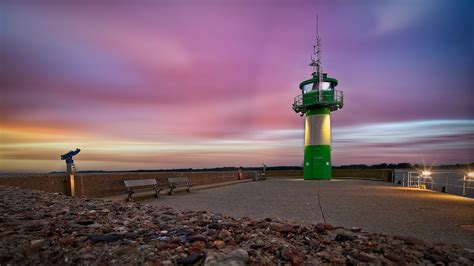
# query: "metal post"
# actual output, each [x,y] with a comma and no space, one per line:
[71,170]
[446,184]
[464,186]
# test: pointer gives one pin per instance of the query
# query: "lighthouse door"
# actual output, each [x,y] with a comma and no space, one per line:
[318,167]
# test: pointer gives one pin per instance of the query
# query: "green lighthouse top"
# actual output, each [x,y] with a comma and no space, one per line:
[319,91]
[327,81]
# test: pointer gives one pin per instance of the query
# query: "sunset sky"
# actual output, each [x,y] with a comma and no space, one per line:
[172,84]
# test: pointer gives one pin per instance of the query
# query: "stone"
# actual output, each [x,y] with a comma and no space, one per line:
[282,228]
[94,225]
[238,257]
[410,240]
[191,259]
[320,228]
[219,244]
[356,229]
[166,263]
[85,222]
[41,228]
[344,237]
[87,256]
[36,241]
[364,257]
[104,238]
[224,233]
[393,257]
[329,227]
[197,238]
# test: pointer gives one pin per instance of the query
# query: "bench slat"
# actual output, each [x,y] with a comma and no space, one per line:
[177,180]
[140,182]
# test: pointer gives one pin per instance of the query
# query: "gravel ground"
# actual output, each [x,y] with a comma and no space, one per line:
[375,206]
[44,228]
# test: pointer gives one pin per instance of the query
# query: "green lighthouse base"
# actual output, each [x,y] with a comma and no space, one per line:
[317,162]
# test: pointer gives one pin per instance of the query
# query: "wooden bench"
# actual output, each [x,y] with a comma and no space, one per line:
[175,182]
[131,185]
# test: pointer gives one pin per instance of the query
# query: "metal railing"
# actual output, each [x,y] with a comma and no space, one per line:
[450,182]
[328,97]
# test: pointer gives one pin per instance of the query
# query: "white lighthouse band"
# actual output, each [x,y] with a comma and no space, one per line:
[317,130]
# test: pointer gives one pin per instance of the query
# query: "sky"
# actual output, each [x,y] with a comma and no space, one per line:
[194,84]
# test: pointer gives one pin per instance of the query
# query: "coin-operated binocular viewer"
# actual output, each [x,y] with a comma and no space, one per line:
[71,168]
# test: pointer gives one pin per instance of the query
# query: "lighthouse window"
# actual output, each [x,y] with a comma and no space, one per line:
[308,87]
[326,86]
[314,86]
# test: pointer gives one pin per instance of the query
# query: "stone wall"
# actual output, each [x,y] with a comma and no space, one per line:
[109,184]
[382,174]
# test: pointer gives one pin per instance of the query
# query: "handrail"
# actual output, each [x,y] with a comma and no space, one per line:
[336,97]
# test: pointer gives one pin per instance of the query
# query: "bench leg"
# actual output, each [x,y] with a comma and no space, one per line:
[189,189]
[157,192]
[171,191]
[130,192]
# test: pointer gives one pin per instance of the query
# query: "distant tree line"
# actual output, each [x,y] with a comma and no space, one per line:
[467,166]
[406,166]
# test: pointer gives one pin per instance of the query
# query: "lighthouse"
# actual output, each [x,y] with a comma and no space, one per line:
[317,100]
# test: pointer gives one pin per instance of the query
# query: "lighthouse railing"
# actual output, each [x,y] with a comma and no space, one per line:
[313,98]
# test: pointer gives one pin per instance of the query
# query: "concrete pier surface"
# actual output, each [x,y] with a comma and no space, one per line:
[375,206]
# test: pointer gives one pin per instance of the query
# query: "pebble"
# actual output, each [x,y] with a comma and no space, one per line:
[219,244]
[224,234]
[238,257]
[39,228]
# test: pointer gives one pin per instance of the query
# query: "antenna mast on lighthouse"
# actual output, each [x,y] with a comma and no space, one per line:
[316,59]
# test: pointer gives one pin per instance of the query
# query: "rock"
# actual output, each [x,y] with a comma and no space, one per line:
[94,225]
[199,245]
[176,240]
[393,257]
[285,253]
[320,228]
[219,244]
[36,241]
[434,258]
[296,258]
[356,229]
[87,256]
[33,250]
[166,263]
[104,238]
[344,237]
[328,227]
[197,238]
[237,257]
[257,244]
[282,228]
[191,259]
[85,222]
[40,228]
[224,233]
[410,240]
[364,257]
